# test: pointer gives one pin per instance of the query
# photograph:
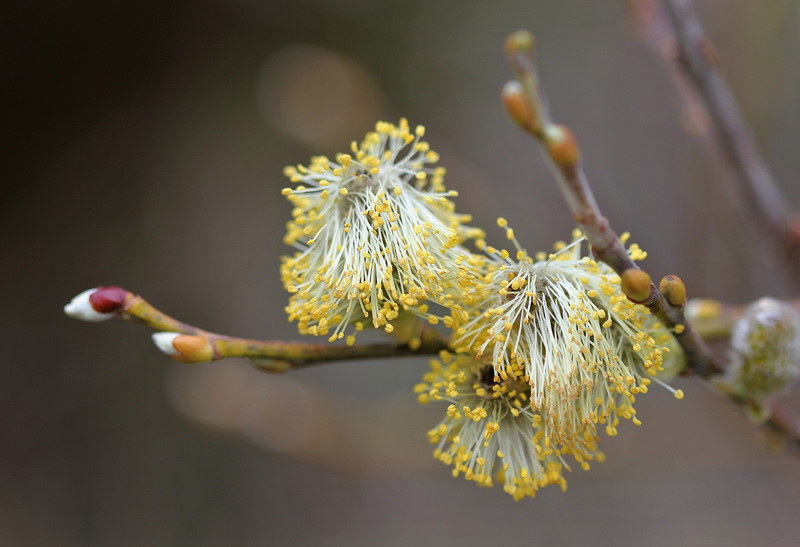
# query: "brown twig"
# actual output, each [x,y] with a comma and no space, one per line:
[199,345]
[674,30]
[560,149]
[523,100]
[716,320]
[784,422]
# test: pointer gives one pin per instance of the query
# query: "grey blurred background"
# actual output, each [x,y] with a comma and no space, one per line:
[143,146]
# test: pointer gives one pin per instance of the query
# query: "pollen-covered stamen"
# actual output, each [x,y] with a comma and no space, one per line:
[585,349]
[375,233]
[490,433]
[765,353]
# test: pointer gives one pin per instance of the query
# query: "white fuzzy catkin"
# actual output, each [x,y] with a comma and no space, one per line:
[765,350]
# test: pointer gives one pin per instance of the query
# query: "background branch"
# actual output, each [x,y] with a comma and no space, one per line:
[522,99]
[675,32]
[559,147]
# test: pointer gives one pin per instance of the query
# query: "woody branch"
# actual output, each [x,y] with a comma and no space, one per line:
[525,102]
[189,344]
[676,33]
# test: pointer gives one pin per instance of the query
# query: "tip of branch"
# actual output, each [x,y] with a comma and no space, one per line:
[519,51]
[520,41]
[98,304]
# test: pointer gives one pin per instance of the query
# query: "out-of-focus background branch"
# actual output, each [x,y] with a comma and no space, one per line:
[144,147]
[711,111]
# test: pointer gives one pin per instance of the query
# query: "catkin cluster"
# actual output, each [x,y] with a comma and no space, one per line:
[545,349]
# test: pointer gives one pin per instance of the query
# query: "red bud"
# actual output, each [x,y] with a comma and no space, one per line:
[108,299]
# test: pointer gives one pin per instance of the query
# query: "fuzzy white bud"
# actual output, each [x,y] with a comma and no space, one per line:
[163,340]
[81,308]
[765,350]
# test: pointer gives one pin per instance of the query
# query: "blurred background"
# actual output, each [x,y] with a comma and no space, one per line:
[143,146]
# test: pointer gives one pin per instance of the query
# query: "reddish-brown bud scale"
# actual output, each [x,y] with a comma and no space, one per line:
[673,290]
[636,285]
[108,299]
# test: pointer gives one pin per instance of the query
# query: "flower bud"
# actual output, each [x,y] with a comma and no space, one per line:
[163,341]
[521,40]
[517,104]
[108,299]
[186,348]
[635,284]
[562,145]
[703,309]
[765,350]
[673,290]
[97,304]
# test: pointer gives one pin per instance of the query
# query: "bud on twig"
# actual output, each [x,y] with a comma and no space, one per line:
[163,341]
[98,304]
[562,146]
[673,290]
[517,105]
[519,49]
[703,309]
[636,285]
[186,348]
[520,41]
[765,352]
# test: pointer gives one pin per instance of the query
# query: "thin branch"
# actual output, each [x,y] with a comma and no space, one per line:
[784,422]
[199,345]
[559,147]
[523,100]
[677,34]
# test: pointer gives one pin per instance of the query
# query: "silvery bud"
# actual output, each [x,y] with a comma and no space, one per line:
[765,350]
